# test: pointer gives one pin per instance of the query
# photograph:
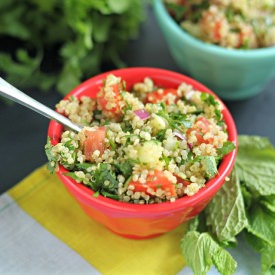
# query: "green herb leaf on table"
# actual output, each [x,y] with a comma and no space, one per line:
[255,165]
[268,202]
[268,260]
[226,216]
[201,252]
[262,224]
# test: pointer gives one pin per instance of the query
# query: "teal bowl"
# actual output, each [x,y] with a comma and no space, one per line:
[233,74]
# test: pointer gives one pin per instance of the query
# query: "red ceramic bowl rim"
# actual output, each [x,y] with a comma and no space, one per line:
[211,187]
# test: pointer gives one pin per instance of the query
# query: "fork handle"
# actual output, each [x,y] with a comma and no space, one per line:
[12,93]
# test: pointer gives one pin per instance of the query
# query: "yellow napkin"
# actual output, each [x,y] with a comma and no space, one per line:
[43,197]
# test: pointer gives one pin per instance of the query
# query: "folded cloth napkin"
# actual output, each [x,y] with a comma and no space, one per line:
[44,231]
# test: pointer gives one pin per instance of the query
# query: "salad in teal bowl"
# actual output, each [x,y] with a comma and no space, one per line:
[228,48]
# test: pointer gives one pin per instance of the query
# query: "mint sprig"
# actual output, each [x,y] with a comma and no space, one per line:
[244,204]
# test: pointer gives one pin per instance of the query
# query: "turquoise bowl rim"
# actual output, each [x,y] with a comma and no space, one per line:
[209,48]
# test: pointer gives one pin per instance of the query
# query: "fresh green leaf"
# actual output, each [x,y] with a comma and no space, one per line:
[83,166]
[193,225]
[107,194]
[261,223]
[254,143]
[101,175]
[244,204]
[201,252]
[254,241]
[268,202]
[161,135]
[52,159]
[227,147]
[247,196]
[226,216]
[102,27]
[119,6]
[268,260]
[210,166]
[178,11]
[125,168]
[72,175]
[258,153]
[86,35]
[209,99]
[175,120]
[96,194]
[166,160]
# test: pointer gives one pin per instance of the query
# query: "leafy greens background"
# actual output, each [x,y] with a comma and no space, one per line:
[46,44]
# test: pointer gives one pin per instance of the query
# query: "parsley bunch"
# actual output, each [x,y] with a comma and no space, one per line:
[57,44]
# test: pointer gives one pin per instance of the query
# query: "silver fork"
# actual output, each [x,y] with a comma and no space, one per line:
[12,93]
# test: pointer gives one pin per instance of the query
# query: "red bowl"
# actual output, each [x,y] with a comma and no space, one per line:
[144,221]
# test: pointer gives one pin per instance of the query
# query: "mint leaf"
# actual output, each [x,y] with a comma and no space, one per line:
[255,165]
[268,202]
[225,214]
[247,143]
[268,260]
[261,223]
[201,252]
[257,243]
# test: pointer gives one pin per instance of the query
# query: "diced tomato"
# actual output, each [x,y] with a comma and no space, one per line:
[160,95]
[154,182]
[201,127]
[92,141]
[109,103]
[217,31]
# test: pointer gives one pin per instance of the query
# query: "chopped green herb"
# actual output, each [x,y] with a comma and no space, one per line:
[228,146]
[125,168]
[175,120]
[72,175]
[102,174]
[84,166]
[96,194]
[52,159]
[178,11]
[161,135]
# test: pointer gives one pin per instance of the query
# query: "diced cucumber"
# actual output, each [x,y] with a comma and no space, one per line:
[149,152]
[157,123]
[171,143]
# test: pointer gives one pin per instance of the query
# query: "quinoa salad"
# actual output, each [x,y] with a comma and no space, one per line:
[149,145]
[240,24]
